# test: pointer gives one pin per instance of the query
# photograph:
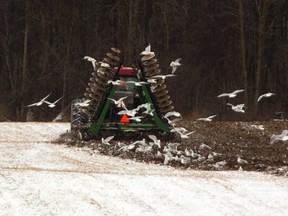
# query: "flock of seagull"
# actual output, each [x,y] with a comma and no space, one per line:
[43,100]
[170,152]
[239,107]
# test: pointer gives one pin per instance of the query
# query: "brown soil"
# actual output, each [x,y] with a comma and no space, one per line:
[227,138]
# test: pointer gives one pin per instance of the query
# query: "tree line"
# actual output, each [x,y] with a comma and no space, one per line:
[224,45]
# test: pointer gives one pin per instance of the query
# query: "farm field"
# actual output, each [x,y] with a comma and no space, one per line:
[41,177]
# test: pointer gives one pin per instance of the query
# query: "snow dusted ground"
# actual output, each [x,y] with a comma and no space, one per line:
[41,178]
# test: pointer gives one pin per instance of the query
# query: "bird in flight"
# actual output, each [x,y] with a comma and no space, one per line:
[268,94]
[232,94]
[147,50]
[107,140]
[209,118]
[130,113]
[175,64]
[51,105]
[237,108]
[172,113]
[39,103]
[119,101]
[156,141]
[92,60]
[117,82]
[162,76]
[140,83]
[83,104]
[282,137]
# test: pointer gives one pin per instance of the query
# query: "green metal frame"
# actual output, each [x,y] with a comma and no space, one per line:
[97,122]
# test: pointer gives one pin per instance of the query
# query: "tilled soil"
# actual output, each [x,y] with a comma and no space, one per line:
[224,142]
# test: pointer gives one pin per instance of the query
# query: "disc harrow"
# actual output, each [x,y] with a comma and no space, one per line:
[98,81]
[162,98]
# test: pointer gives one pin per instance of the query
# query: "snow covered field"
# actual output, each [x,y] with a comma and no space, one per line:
[41,178]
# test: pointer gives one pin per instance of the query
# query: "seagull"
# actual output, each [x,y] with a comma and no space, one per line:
[183,135]
[51,105]
[163,76]
[155,141]
[175,64]
[232,94]
[179,129]
[172,113]
[206,119]
[117,82]
[40,102]
[144,148]
[136,118]
[92,60]
[153,81]
[269,94]
[259,127]
[172,122]
[118,102]
[105,65]
[185,160]
[107,140]
[203,146]
[282,137]
[237,108]
[83,104]
[138,83]
[147,50]
[186,135]
[130,113]
[168,157]
[171,147]
[241,161]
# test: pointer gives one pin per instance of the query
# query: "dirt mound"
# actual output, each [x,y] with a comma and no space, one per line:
[213,146]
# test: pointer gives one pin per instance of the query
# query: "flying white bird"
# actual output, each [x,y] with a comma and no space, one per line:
[117,102]
[147,50]
[232,94]
[163,76]
[269,94]
[40,102]
[241,161]
[172,113]
[209,118]
[83,104]
[137,83]
[155,141]
[136,118]
[117,82]
[186,135]
[203,146]
[175,64]
[152,81]
[282,137]
[237,108]
[172,122]
[128,112]
[107,140]
[51,105]
[92,60]
[179,129]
